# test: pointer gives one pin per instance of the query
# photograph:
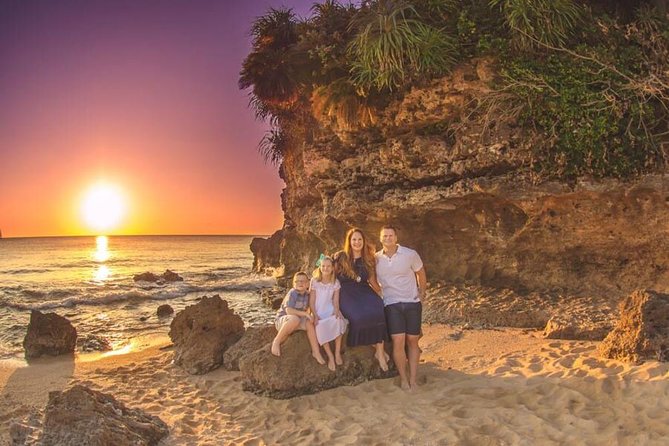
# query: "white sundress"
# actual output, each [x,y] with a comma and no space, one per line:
[329,325]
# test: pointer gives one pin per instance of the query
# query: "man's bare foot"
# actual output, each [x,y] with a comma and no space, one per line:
[413,386]
[338,359]
[276,349]
[383,363]
[331,364]
[319,358]
[405,385]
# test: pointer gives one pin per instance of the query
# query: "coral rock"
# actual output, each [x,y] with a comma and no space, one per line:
[253,339]
[49,334]
[81,416]
[642,331]
[201,334]
[295,372]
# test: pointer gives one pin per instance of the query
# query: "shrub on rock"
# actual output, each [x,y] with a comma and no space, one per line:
[201,334]
[49,334]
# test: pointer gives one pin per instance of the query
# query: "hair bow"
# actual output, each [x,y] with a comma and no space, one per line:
[320,260]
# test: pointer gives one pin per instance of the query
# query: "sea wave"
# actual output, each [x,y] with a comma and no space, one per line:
[68,298]
[27,270]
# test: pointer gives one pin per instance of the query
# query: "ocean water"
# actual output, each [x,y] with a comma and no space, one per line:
[89,280]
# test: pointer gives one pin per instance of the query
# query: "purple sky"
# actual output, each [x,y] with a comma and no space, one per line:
[141,93]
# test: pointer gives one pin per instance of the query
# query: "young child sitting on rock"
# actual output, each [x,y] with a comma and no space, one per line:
[294,315]
[324,303]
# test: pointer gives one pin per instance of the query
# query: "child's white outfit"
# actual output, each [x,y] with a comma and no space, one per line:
[329,326]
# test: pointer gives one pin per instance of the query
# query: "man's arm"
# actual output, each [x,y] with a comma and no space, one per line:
[421,279]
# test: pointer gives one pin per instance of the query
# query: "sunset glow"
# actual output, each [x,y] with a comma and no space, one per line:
[103,207]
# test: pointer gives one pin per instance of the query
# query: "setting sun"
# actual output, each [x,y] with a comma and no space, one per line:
[103,206]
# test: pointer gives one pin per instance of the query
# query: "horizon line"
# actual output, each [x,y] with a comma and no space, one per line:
[136,235]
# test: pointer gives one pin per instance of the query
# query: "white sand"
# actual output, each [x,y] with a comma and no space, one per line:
[489,387]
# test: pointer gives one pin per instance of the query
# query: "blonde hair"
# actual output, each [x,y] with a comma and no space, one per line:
[367,253]
[318,274]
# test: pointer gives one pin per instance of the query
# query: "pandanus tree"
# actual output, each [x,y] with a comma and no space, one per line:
[270,69]
[393,46]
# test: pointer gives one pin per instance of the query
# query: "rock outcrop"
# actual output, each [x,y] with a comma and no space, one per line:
[296,373]
[93,343]
[201,334]
[642,331]
[167,276]
[81,416]
[253,339]
[49,334]
[164,310]
[463,193]
[273,297]
[268,251]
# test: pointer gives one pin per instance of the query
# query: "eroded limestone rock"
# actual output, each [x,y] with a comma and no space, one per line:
[49,334]
[253,339]
[81,416]
[201,334]
[642,332]
[296,373]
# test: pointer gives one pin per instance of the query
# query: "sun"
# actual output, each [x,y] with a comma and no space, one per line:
[103,206]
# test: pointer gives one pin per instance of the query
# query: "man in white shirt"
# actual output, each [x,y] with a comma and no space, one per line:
[401,274]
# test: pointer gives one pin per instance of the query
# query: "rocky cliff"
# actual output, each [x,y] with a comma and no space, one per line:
[460,186]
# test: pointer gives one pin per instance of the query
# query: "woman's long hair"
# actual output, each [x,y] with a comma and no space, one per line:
[367,252]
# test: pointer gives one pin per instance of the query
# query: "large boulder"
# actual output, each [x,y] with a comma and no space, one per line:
[49,334]
[296,373]
[642,331]
[201,334]
[253,339]
[81,416]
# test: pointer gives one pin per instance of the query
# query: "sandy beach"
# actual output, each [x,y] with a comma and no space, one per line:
[477,387]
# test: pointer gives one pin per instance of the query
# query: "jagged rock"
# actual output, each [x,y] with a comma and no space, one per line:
[577,327]
[201,334]
[171,276]
[268,253]
[81,416]
[49,334]
[273,296]
[253,339]
[167,276]
[146,277]
[296,373]
[92,343]
[164,310]
[642,332]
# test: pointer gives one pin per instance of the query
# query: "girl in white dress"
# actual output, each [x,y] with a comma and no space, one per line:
[324,303]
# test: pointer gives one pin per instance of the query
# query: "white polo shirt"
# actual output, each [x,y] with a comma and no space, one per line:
[397,275]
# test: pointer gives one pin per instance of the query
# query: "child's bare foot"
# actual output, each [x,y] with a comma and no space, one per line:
[338,359]
[382,361]
[413,386]
[331,364]
[405,385]
[319,358]
[276,349]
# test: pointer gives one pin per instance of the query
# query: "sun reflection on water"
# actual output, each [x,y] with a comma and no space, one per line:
[101,255]
[102,273]
[102,252]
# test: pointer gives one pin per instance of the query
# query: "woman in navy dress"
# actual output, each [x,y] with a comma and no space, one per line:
[359,299]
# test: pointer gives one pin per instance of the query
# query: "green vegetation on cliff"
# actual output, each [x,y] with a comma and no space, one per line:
[590,79]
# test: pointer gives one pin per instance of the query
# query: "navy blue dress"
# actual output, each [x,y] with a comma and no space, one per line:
[363,308]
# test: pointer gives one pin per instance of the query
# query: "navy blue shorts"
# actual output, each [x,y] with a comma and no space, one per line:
[404,317]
